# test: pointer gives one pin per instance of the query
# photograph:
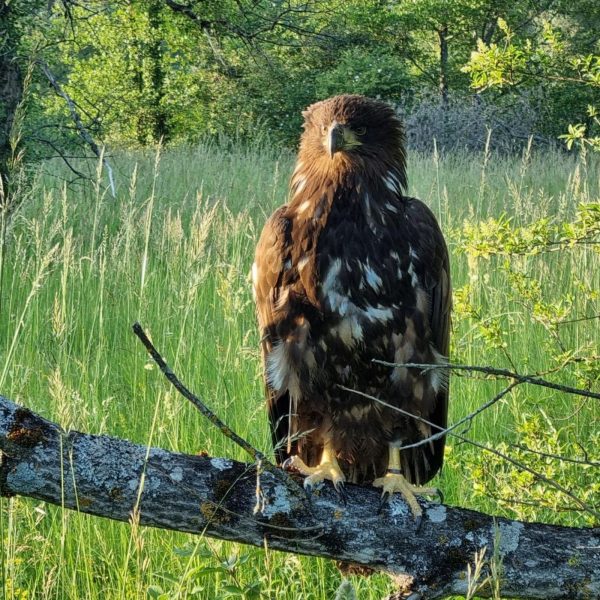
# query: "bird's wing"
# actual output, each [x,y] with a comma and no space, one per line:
[427,459]
[268,283]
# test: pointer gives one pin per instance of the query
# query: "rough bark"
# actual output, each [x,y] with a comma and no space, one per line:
[218,497]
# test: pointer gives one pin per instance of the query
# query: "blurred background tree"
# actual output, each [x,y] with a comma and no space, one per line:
[143,71]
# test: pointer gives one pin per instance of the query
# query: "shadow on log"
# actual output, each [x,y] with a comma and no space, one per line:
[225,499]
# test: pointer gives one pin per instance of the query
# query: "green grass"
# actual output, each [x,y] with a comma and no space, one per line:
[173,251]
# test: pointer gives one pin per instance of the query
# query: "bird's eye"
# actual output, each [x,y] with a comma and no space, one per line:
[323,129]
[360,130]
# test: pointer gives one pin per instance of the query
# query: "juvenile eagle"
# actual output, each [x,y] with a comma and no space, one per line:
[352,270]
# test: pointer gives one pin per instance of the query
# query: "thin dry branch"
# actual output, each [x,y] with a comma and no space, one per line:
[195,400]
[263,462]
[532,379]
[466,419]
[520,465]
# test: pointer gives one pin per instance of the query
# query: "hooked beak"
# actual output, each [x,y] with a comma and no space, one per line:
[335,138]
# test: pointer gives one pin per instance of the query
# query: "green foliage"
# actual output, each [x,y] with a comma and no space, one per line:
[373,72]
[585,135]
[528,274]
[144,70]
[209,564]
[546,450]
[568,74]
[499,237]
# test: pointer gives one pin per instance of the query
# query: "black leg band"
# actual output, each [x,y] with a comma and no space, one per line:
[395,471]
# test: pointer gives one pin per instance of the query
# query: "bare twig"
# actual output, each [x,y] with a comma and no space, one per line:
[467,418]
[532,379]
[563,508]
[199,404]
[61,154]
[257,455]
[577,461]
[81,129]
[566,321]
[467,440]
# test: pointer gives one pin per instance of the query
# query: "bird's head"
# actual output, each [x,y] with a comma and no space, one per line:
[353,131]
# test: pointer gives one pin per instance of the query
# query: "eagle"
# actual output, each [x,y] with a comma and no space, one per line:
[350,273]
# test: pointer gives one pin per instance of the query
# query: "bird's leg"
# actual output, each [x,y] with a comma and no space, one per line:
[328,468]
[394,481]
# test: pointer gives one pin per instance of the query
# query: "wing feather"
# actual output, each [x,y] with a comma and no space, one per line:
[268,274]
[424,461]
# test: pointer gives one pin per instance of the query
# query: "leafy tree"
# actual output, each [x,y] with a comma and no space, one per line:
[565,69]
[140,71]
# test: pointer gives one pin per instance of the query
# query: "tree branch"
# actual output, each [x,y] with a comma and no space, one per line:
[532,379]
[218,497]
[257,455]
[83,132]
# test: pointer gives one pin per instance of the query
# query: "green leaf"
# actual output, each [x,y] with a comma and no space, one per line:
[233,590]
[156,592]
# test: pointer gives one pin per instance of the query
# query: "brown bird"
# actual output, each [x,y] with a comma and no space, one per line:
[348,271]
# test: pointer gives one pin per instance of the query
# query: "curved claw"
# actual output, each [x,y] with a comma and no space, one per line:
[385,497]
[340,488]
[418,523]
[440,495]
[308,489]
[327,470]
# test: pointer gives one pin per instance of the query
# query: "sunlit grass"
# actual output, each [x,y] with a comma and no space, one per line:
[173,251]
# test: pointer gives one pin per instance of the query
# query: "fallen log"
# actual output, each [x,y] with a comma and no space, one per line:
[222,498]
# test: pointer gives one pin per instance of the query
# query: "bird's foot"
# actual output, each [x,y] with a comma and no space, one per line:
[396,483]
[314,475]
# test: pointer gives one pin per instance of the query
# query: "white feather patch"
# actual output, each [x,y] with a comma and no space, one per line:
[282,299]
[278,367]
[299,185]
[302,262]
[378,313]
[340,301]
[372,278]
[330,281]
[438,377]
[414,280]
[303,207]
[390,184]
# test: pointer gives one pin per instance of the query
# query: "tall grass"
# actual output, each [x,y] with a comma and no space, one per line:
[174,251]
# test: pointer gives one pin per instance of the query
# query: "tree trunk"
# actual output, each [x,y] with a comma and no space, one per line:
[489,29]
[218,497]
[443,79]
[155,54]
[11,93]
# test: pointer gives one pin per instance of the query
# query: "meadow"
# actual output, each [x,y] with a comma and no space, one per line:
[173,251]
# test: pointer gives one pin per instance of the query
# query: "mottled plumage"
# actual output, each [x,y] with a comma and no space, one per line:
[351,270]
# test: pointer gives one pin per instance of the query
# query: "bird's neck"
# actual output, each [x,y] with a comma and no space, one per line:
[315,187]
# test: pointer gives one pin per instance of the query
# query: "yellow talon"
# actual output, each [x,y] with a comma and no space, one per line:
[393,481]
[328,468]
